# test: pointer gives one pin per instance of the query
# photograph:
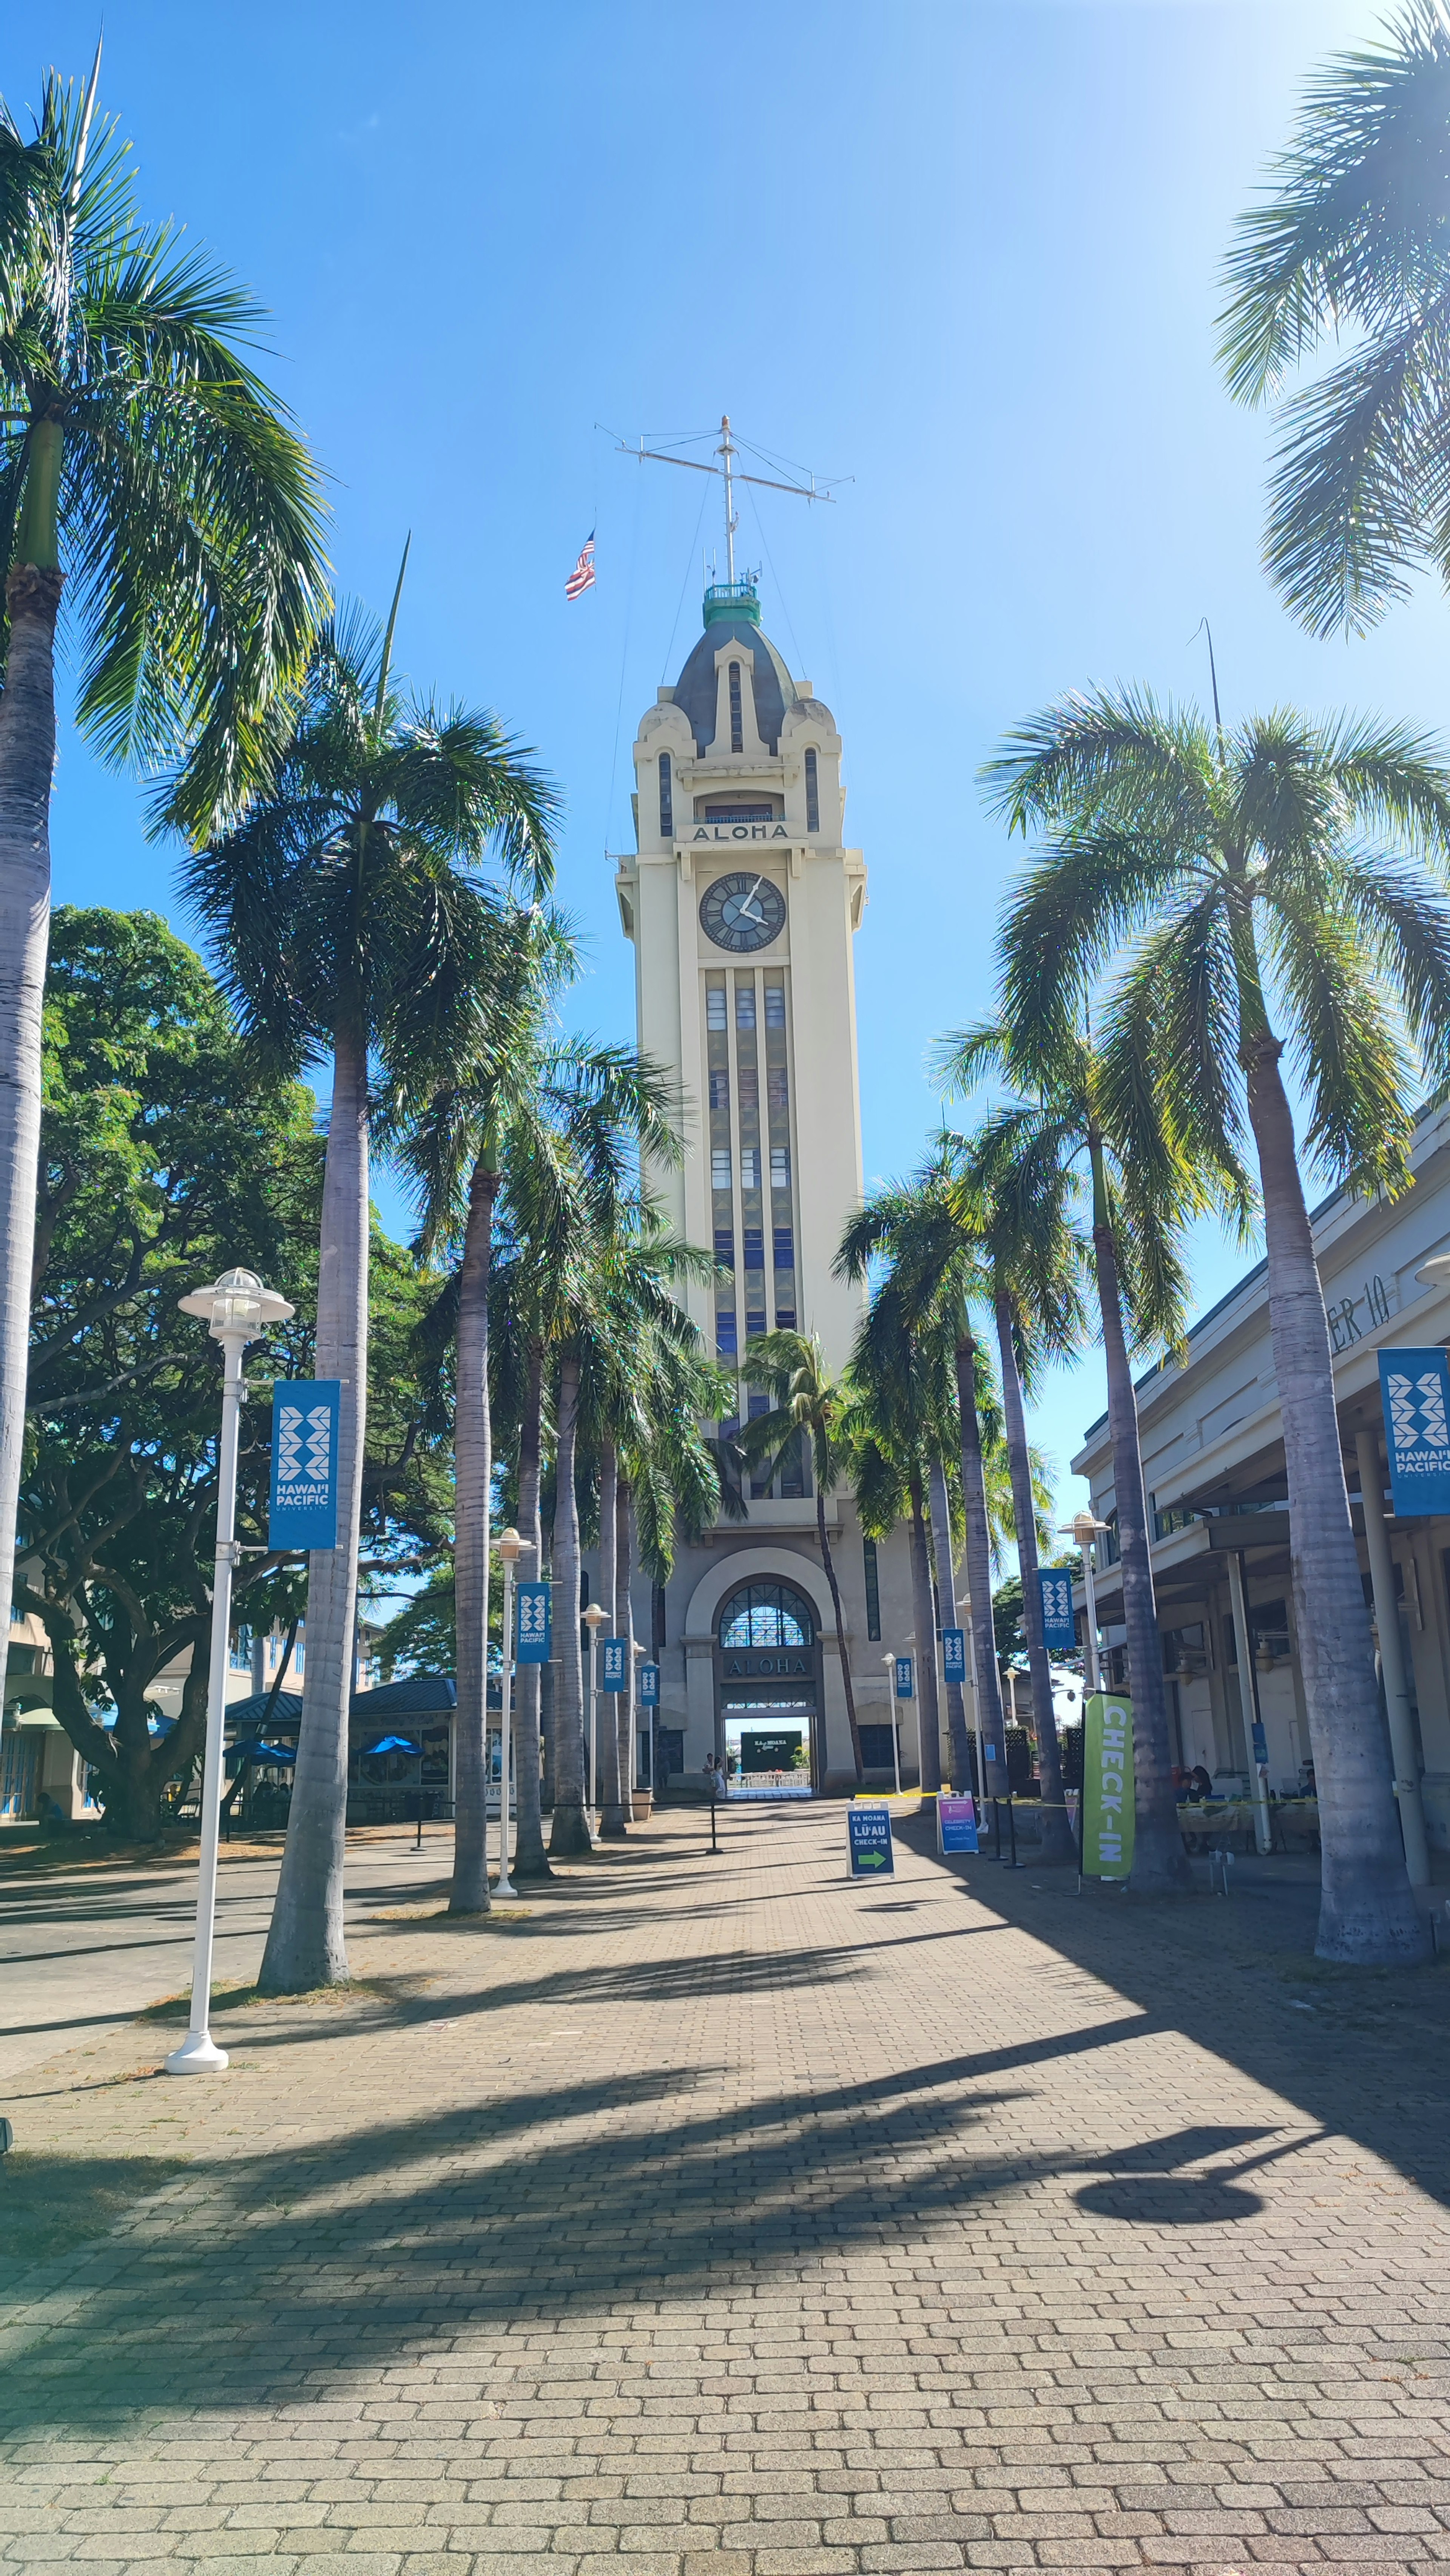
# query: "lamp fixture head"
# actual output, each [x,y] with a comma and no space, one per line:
[511,1547]
[238,1304]
[595,1618]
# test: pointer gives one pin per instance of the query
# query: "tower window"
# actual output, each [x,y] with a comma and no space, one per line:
[745,1006]
[725,1246]
[775,1006]
[784,1247]
[737,719]
[754,1249]
[780,1167]
[754,1323]
[749,1167]
[715,1016]
[720,1167]
[777,1085]
[813,793]
[725,1330]
[719,1090]
[873,1593]
[667,799]
[749,1086]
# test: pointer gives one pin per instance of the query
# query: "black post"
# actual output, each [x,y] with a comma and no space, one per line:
[714,1802]
[1012,1829]
[997,1827]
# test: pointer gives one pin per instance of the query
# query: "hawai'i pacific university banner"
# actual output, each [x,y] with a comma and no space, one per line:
[1107,1786]
[1415,1393]
[304,1462]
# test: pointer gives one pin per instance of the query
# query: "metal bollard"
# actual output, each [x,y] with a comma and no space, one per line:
[1014,1863]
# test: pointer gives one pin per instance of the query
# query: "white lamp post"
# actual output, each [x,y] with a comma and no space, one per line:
[239,1310]
[510,1547]
[890,1662]
[594,1620]
[1085,1528]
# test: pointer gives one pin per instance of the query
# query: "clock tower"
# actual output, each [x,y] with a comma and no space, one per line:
[742,901]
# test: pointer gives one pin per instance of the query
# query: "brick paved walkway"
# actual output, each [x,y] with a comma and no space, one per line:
[721,2219]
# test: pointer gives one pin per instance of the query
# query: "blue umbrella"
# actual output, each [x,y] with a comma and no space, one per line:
[392,1744]
[257,1751]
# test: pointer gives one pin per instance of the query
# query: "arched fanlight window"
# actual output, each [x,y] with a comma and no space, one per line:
[766,1614]
[737,717]
[813,794]
[667,799]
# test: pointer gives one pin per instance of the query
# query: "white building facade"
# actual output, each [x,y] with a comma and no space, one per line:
[1213,1455]
[743,902]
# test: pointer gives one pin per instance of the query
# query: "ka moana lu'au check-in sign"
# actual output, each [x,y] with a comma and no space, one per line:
[870,1842]
[1415,1393]
[304,1462]
[1107,1786]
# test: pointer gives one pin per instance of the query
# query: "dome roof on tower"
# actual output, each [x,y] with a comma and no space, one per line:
[732,615]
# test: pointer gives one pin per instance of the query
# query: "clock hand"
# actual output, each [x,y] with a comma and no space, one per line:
[748,904]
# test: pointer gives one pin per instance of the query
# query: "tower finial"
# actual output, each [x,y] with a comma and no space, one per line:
[729,451]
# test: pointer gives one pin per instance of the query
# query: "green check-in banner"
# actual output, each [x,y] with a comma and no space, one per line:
[1107,1786]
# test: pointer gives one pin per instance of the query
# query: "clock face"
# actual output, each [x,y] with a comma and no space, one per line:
[743,912]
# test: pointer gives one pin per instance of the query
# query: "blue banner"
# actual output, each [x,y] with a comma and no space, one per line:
[870,1842]
[905,1685]
[304,1462]
[535,1622]
[649,1686]
[1059,1628]
[954,1654]
[614,1660]
[1415,1393]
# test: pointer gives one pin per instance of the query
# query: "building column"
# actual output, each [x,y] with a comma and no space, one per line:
[1249,1698]
[1392,1660]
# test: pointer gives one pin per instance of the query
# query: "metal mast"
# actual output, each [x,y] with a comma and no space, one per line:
[729,451]
[728,471]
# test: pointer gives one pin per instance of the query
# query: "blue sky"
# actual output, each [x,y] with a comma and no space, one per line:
[963,254]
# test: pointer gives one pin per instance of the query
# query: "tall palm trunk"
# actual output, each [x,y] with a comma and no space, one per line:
[988,1688]
[828,1568]
[928,1712]
[27,759]
[305,1945]
[946,1590]
[530,1860]
[1367,1910]
[624,1626]
[1160,1863]
[1057,1841]
[605,1790]
[569,1832]
[473,1483]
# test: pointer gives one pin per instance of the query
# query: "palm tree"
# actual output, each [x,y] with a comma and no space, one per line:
[1087,1112]
[936,1261]
[1237,867]
[1352,239]
[570,1116]
[351,921]
[144,463]
[892,1370]
[811,1404]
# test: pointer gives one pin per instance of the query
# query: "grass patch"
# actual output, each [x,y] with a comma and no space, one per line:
[241,1998]
[497,1914]
[50,2205]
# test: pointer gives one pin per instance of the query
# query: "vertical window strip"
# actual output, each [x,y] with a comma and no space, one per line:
[737,717]
[667,799]
[813,794]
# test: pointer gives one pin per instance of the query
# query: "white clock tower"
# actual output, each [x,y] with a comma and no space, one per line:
[742,901]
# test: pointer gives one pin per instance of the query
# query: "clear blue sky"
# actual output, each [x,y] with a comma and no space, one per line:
[965,254]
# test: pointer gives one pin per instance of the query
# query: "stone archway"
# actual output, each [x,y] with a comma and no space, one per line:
[769,1567]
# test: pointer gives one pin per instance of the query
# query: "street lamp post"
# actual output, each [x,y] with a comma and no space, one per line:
[1085,1528]
[594,1620]
[510,1547]
[238,1310]
[890,1662]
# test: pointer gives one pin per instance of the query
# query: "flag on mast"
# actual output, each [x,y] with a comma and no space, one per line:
[582,576]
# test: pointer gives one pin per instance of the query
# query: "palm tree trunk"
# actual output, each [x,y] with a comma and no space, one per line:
[1160,1863]
[1367,1910]
[305,1945]
[473,1482]
[27,760]
[828,1568]
[988,1689]
[624,1623]
[924,1613]
[530,1859]
[569,1832]
[946,1589]
[606,1788]
[1057,1841]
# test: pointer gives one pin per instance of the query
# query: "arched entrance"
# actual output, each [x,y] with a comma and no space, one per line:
[768,1684]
